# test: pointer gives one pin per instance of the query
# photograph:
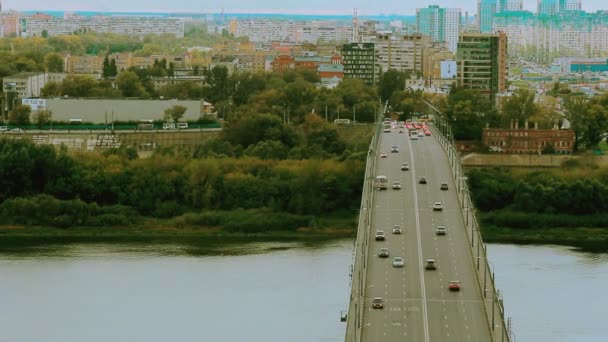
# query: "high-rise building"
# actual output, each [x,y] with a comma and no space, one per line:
[570,5]
[549,7]
[485,14]
[482,62]
[441,24]
[511,5]
[359,60]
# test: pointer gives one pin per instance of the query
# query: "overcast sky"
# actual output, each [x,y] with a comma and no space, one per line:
[407,7]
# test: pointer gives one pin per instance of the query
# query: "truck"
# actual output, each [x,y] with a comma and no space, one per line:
[381,183]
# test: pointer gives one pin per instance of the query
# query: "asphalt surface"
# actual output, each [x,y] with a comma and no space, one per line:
[418,306]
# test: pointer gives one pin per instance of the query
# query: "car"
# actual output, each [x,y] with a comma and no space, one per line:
[397,229]
[383,155]
[396,185]
[387,130]
[398,261]
[414,136]
[3,128]
[394,149]
[444,186]
[17,130]
[377,303]
[422,180]
[400,131]
[440,230]
[405,166]
[380,235]
[430,264]
[437,206]
[420,134]
[427,133]
[454,285]
[383,253]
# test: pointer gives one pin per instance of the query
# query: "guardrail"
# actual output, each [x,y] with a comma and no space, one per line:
[356,306]
[493,303]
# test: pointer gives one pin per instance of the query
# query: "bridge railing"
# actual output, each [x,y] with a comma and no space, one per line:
[494,306]
[356,306]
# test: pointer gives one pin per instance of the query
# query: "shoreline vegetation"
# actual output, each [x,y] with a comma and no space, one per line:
[174,231]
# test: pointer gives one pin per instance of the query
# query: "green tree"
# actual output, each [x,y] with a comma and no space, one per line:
[78,86]
[53,62]
[520,106]
[129,84]
[175,113]
[51,89]
[20,115]
[42,117]
[219,83]
[390,82]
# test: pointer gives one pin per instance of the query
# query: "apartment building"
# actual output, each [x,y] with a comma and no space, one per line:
[263,30]
[87,64]
[482,62]
[402,53]
[33,26]
[25,84]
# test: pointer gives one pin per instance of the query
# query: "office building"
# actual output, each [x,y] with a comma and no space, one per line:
[359,60]
[441,24]
[482,62]
[511,5]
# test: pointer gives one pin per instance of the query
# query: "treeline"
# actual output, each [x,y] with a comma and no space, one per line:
[39,185]
[539,192]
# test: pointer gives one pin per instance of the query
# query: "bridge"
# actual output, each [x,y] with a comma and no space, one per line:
[417,303]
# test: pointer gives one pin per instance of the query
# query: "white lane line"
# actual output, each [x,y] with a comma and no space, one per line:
[425,318]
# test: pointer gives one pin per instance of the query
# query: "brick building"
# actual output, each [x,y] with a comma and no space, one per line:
[528,141]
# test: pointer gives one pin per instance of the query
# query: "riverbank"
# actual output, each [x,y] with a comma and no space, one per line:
[587,239]
[154,231]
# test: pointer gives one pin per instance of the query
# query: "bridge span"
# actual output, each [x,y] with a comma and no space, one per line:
[417,303]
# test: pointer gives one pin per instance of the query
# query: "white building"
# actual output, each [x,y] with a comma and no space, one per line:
[34,27]
[25,84]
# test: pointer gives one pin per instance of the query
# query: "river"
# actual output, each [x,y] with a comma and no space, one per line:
[261,292]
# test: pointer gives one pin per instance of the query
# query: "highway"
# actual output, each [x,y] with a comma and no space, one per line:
[418,306]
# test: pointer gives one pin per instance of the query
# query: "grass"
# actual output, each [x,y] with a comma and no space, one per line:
[589,239]
[155,231]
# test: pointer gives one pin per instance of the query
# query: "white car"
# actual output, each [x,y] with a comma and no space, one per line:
[394,149]
[437,206]
[396,185]
[383,155]
[398,261]
[397,229]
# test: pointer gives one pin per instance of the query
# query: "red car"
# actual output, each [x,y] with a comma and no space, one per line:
[427,133]
[454,285]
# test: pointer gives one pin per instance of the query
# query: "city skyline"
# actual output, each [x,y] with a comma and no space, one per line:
[317,7]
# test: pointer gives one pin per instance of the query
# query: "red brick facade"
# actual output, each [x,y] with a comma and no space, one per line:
[283,63]
[526,141]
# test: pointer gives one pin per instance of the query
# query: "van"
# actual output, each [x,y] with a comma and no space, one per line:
[75,121]
[168,125]
[3,128]
[182,125]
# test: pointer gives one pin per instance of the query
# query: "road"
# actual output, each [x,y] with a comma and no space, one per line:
[417,303]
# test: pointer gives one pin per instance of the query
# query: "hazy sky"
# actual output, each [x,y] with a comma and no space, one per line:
[262,6]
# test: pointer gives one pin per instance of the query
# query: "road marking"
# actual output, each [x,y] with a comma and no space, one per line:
[425,318]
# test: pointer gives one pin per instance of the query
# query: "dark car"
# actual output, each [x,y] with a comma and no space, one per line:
[378,303]
[444,186]
[422,180]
